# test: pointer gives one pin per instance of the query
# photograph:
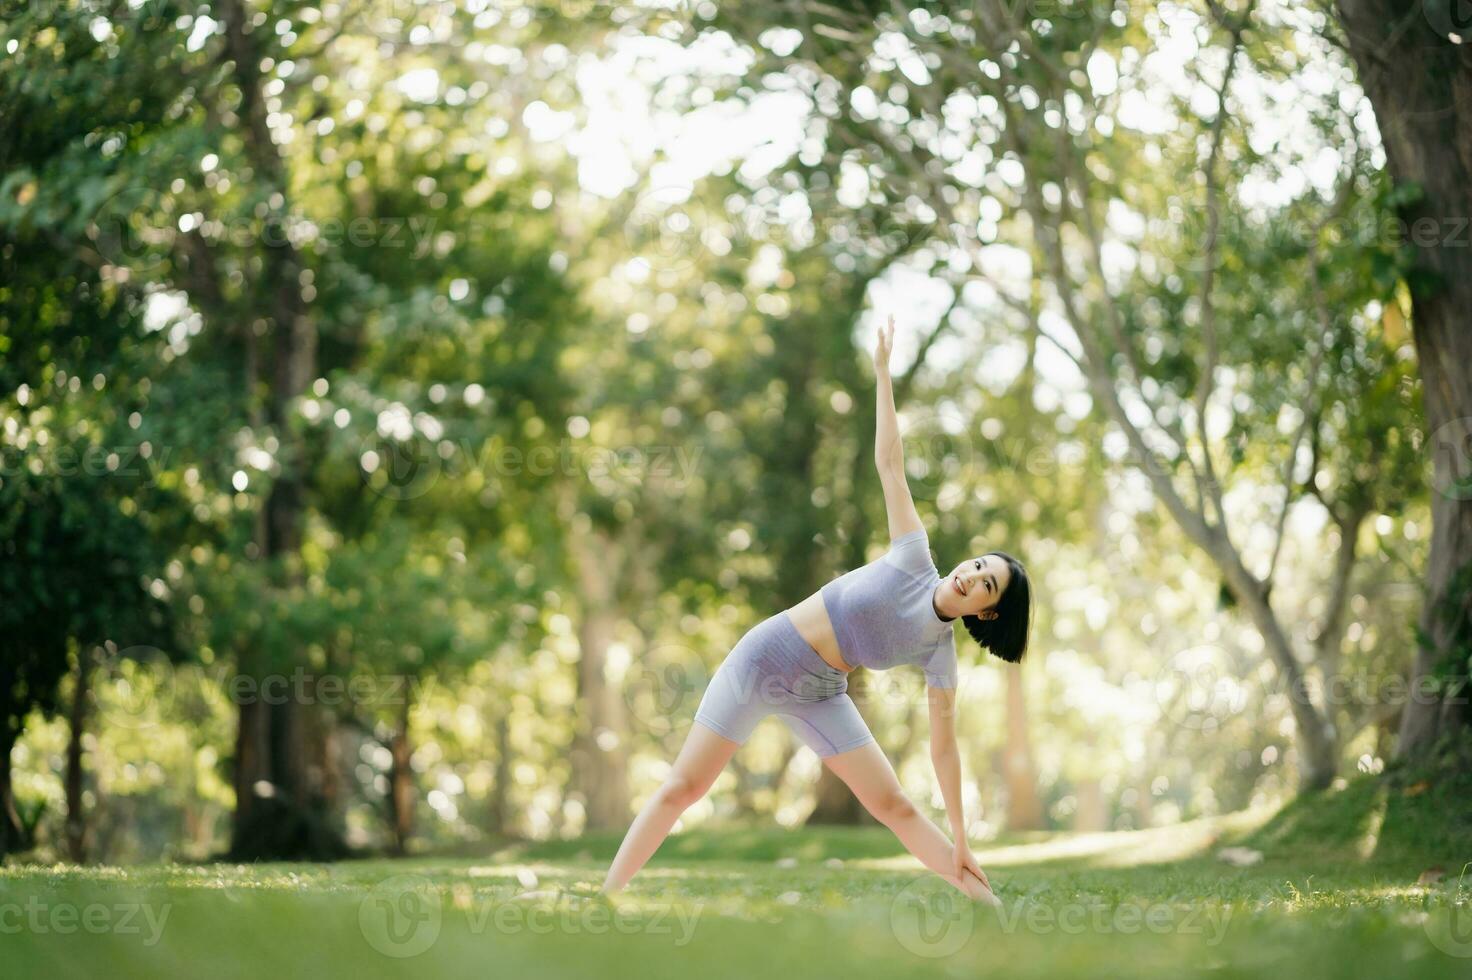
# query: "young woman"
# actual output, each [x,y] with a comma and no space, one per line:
[897,609]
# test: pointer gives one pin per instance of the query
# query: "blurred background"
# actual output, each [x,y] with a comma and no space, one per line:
[406,404]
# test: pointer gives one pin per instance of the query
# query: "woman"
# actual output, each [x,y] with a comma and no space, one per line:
[894,610]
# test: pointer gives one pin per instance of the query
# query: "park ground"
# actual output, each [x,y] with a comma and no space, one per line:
[1372,880]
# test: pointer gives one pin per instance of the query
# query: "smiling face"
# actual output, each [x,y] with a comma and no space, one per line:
[973,587]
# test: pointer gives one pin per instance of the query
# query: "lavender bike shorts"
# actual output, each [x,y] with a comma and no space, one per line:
[773,670]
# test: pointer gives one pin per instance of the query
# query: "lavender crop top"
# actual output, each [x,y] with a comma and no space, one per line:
[883,613]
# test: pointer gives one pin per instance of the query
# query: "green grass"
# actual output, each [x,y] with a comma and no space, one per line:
[1336,895]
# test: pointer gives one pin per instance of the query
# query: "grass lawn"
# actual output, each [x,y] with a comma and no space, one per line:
[1336,895]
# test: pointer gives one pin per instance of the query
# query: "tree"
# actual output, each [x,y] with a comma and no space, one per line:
[1031,152]
[1415,65]
[80,548]
[74,573]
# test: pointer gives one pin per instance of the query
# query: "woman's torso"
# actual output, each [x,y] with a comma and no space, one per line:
[811,619]
[886,610]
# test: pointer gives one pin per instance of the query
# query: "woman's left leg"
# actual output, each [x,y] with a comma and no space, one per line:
[869,774]
[700,761]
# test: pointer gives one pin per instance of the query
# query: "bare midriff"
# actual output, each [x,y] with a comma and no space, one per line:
[811,619]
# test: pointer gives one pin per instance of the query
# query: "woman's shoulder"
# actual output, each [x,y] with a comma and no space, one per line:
[910,552]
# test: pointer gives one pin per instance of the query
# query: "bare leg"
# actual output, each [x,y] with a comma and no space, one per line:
[869,774]
[700,761]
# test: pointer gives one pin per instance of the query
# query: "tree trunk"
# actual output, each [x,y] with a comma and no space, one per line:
[199,826]
[251,770]
[12,831]
[1420,85]
[1092,815]
[745,787]
[1315,737]
[1024,808]
[1144,805]
[281,809]
[76,817]
[401,784]
[500,804]
[328,739]
[600,742]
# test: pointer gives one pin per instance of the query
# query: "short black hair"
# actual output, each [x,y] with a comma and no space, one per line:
[1006,636]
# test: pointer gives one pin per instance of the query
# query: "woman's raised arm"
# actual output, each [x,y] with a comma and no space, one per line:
[889,451]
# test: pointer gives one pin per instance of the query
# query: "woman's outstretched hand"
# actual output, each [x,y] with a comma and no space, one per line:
[966,861]
[882,347]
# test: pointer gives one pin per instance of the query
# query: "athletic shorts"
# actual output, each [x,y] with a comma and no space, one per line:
[773,670]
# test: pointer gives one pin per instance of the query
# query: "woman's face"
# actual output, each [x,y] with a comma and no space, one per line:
[974,586]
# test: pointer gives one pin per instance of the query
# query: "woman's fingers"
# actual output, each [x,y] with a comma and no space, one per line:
[973,866]
[883,344]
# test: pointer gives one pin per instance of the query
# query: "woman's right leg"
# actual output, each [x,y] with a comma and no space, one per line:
[868,773]
[700,761]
